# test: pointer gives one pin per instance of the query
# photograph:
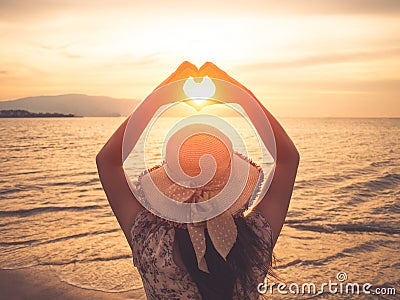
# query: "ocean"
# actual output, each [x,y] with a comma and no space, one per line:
[343,216]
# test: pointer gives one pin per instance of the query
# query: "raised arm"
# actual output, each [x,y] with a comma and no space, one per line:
[109,160]
[275,203]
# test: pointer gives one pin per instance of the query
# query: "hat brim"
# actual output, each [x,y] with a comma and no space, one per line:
[250,181]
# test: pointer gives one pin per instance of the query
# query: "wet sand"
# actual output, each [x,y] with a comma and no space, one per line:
[42,283]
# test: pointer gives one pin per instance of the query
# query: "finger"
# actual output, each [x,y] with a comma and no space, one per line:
[187,65]
[183,74]
[211,70]
[209,65]
[185,70]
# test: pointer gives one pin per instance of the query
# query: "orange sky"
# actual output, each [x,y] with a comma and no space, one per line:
[303,58]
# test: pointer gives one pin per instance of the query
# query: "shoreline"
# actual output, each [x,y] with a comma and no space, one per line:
[42,283]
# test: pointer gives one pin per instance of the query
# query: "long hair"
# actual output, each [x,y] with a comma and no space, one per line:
[247,254]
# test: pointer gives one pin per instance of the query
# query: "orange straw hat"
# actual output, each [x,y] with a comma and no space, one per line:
[199,163]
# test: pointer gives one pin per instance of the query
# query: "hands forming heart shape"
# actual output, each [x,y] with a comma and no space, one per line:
[187,69]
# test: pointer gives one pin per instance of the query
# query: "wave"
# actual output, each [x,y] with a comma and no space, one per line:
[368,246]
[16,243]
[40,186]
[74,261]
[322,181]
[289,264]
[353,174]
[388,208]
[24,173]
[40,210]
[332,228]
[383,163]
[80,173]
[21,188]
[60,239]
[79,235]
[89,182]
[68,262]
[90,288]
[387,181]
[308,220]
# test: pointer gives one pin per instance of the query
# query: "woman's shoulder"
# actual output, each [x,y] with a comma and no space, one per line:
[147,233]
[259,223]
[143,222]
[143,219]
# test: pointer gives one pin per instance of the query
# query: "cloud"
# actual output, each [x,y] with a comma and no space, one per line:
[53,47]
[21,10]
[324,59]
[60,49]
[71,55]
[382,87]
[342,6]
[130,61]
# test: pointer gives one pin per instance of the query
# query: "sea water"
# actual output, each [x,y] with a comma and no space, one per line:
[343,216]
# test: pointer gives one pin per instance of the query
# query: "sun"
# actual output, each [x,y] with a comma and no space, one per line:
[199,94]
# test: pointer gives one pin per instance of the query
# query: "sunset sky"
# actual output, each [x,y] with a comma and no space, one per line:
[301,58]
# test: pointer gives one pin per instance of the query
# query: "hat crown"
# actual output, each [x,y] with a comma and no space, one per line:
[198,145]
[199,149]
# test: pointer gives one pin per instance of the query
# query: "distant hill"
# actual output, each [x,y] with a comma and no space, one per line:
[76,104]
[100,106]
[20,113]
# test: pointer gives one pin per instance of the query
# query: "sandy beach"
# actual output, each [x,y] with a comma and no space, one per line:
[42,283]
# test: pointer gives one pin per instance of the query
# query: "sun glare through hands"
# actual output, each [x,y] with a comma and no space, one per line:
[199,94]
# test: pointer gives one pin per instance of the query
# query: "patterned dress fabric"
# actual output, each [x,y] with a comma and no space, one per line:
[152,243]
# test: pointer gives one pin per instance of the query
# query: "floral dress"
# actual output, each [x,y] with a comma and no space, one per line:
[152,249]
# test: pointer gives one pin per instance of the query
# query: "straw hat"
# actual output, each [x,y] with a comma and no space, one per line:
[200,166]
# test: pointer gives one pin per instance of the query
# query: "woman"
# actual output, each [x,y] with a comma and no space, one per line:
[172,262]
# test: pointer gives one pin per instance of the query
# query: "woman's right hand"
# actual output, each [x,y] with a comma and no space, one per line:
[211,70]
